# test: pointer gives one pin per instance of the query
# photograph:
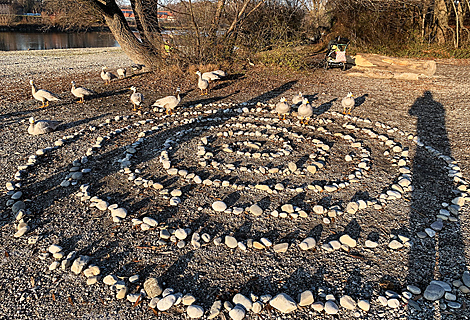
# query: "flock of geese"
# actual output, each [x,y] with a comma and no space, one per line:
[305,110]
[169,103]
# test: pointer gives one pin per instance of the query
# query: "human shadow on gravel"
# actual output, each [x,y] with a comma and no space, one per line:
[432,187]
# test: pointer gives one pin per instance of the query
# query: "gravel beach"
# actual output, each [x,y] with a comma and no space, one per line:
[224,211]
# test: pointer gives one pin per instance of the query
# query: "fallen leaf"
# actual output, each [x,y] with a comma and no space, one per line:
[70,300]
[53,297]
[138,301]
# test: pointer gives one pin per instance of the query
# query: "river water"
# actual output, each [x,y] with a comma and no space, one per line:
[11,41]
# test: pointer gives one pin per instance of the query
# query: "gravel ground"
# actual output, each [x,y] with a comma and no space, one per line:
[433,109]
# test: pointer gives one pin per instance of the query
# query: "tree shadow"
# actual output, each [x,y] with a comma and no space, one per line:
[432,187]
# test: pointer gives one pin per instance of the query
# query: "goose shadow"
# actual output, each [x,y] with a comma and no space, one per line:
[271,94]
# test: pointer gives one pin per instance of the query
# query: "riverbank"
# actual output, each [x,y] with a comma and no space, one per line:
[235,152]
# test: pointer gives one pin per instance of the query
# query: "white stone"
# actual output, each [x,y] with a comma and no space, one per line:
[166,303]
[242,300]
[195,311]
[308,243]
[283,303]
[219,206]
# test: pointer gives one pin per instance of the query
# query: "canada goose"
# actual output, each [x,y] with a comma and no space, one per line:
[42,126]
[81,92]
[282,108]
[169,102]
[297,98]
[136,98]
[43,95]
[121,72]
[348,103]
[107,76]
[305,111]
[202,84]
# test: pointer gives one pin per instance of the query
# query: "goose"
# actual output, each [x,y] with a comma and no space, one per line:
[348,103]
[305,111]
[81,92]
[220,73]
[43,95]
[282,107]
[107,76]
[210,76]
[42,126]
[297,98]
[121,72]
[202,84]
[136,98]
[169,102]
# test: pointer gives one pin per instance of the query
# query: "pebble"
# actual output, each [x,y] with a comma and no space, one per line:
[364,305]
[242,300]
[79,264]
[219,206]
[283,303]
[347,240]
[195,311]
[347,302]
[395,244]
[308,243]
[466,278]
[166,303]
[318,306]
[231,242]
[393,303]
[331,307]
[152,287]
[306,298]
[54,248]
[433,292]
[256,210]
[215,309]
[281,247]
[237,312]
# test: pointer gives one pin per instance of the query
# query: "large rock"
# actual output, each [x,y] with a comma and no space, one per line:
[283,303]
[152,287]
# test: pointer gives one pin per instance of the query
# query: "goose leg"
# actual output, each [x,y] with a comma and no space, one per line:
[43,105]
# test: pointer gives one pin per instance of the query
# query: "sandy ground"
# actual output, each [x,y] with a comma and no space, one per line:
[435,109]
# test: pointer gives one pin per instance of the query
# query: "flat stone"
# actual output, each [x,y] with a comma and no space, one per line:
[237,312]
[413,289]
[242,300]
[318,306]
[466,278]
[152,287]
[306,298]
[437,225]
[231,242]
[288,208]
[395,244]
[308,243]
[331,307]
[215,309]
[219,206]
[79,264]
[347,302]
[188,299]
[166,302]
[110,280]
[393,303]
[434,292]
[195,311]
[347,240]
[283,303]
[443,284]
[371,244]
[256,210]
[54,248]
[281,247]
[364,305]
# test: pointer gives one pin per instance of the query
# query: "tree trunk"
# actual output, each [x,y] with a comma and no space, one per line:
[441,19]
[136,50]
[214,27]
